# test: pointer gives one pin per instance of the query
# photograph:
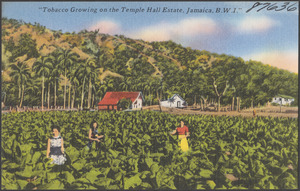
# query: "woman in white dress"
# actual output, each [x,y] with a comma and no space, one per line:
[55,148]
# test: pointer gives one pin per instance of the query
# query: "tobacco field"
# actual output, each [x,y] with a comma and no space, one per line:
[139,153]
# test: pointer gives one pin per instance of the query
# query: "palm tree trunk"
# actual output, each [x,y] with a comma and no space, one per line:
[65,92]
[20,90]
[55,94]
[82,93]
[4,99]
[22,97]
[158,102]
[89,93]
[93,98]
[232,105]
[49,95]
[73,98]
[43,94]
[219,101]
[201,104]
[149,97]
[69,100]
[238,104]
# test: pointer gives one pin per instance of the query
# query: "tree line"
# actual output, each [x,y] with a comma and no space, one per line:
[63,78]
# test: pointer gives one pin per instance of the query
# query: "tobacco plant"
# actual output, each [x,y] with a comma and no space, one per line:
[139,153]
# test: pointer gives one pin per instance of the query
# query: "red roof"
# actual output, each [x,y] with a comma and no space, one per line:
[112,98]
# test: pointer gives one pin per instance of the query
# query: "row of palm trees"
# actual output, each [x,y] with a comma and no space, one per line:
[51,69]
[77,76]
[20,74]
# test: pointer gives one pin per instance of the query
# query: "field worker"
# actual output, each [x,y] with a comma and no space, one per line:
[254,113]
[183,133]
[93,135]
[55,148]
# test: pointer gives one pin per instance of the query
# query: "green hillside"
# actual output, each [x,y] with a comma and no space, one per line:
[77,69]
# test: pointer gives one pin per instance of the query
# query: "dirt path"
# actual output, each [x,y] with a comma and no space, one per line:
[266,111]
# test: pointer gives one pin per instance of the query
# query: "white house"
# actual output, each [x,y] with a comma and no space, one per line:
[283,100]
[175,101]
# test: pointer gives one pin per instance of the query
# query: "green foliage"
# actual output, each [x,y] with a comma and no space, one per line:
[158,69]
[10,45]
[26,45]
[125,103]
[139,153]
[89,47]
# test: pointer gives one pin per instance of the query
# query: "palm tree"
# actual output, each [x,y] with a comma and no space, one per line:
[75,82]
[151,83]
[48,82]
[101,88]
[125,84]
[4,90]
[20,73]
[147,87]
[92,74]
[156,86]
[81,74]
[93,89]
[89,71]
[135,84]
[55,73]
[72,78]
[42,68]
[66,59]
[108,84]
[52,77]
[12,88]
[33,90]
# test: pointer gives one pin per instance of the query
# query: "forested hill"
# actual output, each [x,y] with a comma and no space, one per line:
[79,68]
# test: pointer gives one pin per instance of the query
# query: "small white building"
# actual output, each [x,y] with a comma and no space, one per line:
[283,100]
[175,101]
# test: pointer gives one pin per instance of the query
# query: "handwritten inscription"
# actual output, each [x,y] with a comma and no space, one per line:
[273,6]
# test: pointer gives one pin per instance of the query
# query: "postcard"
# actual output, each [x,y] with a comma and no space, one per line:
[149,95]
